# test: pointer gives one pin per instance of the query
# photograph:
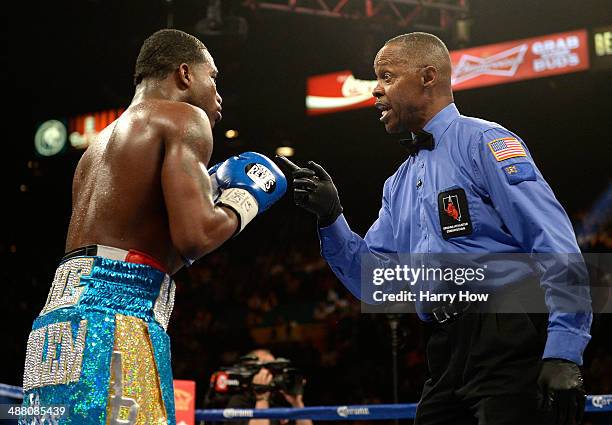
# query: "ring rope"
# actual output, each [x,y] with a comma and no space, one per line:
[594,403]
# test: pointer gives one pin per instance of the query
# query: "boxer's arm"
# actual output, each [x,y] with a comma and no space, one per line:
[197,226]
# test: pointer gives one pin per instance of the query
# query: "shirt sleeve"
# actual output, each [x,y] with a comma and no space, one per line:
[528,208]
[343,249]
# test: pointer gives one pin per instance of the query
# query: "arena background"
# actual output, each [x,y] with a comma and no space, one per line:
[269,287]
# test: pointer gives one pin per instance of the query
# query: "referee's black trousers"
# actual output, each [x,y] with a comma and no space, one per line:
[483,370]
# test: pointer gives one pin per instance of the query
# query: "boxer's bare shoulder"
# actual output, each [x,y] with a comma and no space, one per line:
[184,123]
[117,193]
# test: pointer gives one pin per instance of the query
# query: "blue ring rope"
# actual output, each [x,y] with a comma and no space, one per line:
[595,403]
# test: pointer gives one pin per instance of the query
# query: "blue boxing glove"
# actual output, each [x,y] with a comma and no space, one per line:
[249,184]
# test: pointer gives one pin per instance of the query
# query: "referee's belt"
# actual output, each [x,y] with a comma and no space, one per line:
[447,313]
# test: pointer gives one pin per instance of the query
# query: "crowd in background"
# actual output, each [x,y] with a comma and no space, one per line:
[292,303]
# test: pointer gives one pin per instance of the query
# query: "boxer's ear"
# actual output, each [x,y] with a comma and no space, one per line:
[184,75]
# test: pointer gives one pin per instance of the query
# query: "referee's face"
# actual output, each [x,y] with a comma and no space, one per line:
[399,90]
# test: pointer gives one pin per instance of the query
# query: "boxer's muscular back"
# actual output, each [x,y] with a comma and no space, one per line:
[117,189]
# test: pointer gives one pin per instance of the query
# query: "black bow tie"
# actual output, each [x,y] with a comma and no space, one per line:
[418,141]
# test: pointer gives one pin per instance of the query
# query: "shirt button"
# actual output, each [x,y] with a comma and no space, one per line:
[419,183]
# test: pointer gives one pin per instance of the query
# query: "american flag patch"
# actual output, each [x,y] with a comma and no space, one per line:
[506,147]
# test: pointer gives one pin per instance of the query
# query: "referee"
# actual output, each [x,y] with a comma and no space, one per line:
[469,186]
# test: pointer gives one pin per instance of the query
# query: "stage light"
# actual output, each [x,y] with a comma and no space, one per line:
[231,134]
[285,151]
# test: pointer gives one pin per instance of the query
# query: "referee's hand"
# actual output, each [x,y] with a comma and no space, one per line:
[563,394]
[313,190]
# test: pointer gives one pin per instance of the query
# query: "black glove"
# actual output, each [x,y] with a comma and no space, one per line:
[313,190]
[561,384]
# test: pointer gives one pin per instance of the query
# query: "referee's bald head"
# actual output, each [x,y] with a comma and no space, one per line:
[424,49]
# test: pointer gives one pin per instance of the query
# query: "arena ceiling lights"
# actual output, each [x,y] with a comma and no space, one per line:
[426,15]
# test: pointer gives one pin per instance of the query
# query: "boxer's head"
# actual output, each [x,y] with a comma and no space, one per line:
[414,80]
[183,62]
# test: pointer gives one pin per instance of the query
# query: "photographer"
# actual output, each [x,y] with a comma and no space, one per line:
[270,386]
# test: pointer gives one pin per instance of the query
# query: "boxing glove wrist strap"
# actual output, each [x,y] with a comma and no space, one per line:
[242,203]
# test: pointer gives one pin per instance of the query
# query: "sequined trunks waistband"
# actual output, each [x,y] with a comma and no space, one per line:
[112,286]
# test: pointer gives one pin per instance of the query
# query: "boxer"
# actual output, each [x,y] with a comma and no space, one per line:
[144,206]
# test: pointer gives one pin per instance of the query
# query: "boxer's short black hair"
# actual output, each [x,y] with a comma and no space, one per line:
[164,51]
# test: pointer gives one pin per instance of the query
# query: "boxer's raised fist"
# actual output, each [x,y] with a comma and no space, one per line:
[249,184]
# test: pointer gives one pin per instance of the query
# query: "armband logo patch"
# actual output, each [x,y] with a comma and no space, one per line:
[506,148]
[454,213]
[519,172]
[261,176]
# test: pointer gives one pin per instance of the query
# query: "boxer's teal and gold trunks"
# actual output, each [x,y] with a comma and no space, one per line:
[99,346]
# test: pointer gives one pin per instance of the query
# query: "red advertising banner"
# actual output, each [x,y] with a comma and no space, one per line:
[184,401]
[536,57]
[82,129]
[336,92]
[482,66]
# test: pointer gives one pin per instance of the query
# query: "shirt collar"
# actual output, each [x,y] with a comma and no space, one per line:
[441,121]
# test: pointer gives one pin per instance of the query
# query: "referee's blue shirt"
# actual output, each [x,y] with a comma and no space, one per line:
[511,210]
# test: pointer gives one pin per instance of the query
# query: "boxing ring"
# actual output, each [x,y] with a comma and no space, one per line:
[594,404]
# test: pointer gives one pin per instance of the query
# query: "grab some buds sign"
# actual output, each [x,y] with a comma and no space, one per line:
[488,65]
[520,60]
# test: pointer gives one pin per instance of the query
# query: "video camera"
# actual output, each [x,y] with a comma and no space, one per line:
[238,378]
